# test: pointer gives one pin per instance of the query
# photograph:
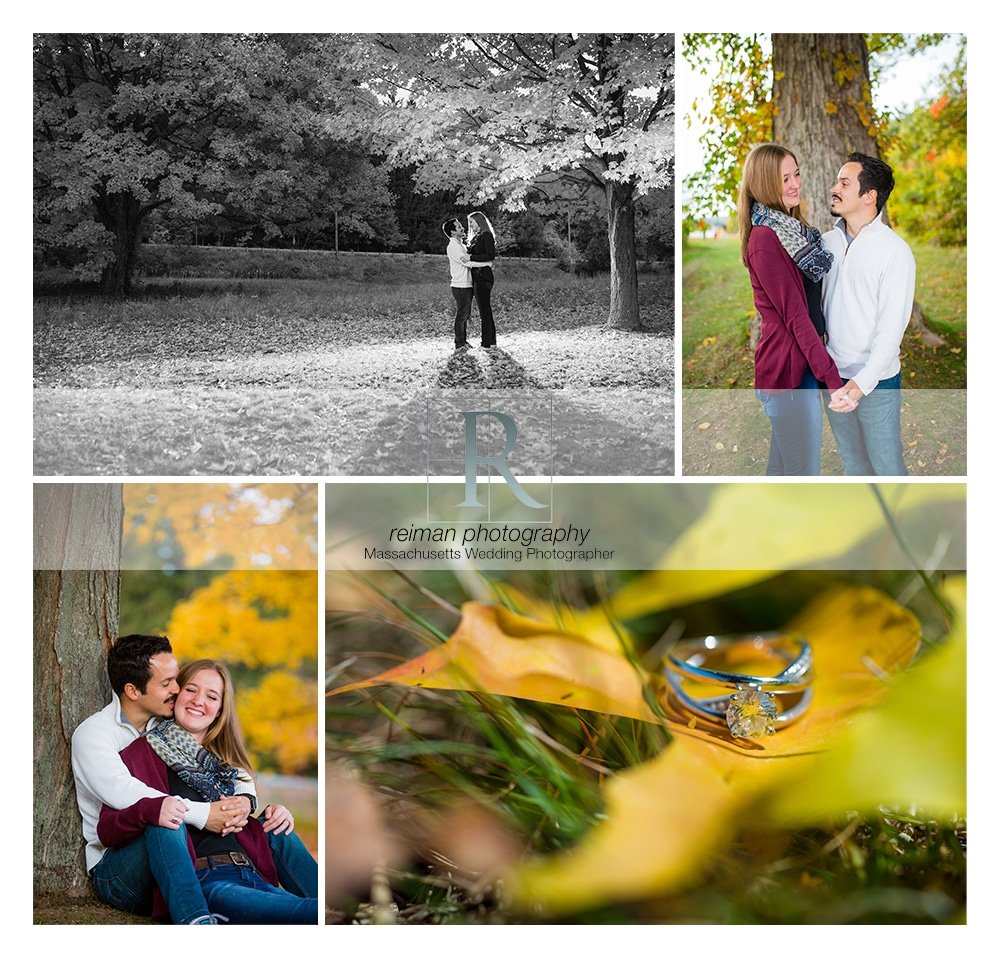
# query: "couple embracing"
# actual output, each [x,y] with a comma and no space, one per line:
[470,256]
[833,311]
[167,797]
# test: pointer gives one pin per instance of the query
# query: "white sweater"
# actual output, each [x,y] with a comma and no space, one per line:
[867,301]
[458,256]
[102,778]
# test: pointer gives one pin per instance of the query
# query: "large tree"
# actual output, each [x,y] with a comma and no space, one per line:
[78,536]
[502,116]
[822,108]
[812,93]
[192,128]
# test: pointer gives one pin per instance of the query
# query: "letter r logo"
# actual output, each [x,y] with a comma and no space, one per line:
[499,461]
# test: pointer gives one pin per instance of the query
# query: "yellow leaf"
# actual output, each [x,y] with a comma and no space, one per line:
[831,107]
[704,425]
[909,752]
[665,819]
[495,650]
[751,531]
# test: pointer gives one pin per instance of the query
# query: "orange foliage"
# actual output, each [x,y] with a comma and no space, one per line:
[262,619]
[279,720]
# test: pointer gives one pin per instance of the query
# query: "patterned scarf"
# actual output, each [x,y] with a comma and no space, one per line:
[803,243]
[196,766]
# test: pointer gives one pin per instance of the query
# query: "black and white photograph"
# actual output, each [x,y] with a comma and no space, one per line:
[273,254]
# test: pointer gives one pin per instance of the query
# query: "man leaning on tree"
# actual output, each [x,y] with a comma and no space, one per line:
[143,674]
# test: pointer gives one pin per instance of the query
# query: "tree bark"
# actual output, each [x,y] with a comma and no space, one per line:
[822,109]
[624,309]
[122,214]
[77,545]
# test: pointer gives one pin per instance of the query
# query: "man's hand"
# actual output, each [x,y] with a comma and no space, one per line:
[846,398]
[172,812]
[228,814]
[278,819]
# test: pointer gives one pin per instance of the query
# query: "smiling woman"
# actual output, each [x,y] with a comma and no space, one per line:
[786,261]
[251,871]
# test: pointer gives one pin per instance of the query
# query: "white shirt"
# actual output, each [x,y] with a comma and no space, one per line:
[102,778]
[867,301]
[458,256]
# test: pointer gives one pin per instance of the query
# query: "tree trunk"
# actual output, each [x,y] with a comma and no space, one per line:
[624,310]
[822,109]
[122,214]
[77,546]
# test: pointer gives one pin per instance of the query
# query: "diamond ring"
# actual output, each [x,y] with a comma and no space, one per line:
[758,705]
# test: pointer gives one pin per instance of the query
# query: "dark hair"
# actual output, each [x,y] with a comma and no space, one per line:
[128,660]
[875,175]
[448,226]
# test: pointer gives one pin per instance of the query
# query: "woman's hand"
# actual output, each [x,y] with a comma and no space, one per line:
[172,811]
[278,819]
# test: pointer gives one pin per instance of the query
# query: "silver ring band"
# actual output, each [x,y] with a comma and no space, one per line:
[752,709]
[688,656]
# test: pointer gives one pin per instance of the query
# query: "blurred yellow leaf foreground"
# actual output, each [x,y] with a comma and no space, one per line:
[666,818]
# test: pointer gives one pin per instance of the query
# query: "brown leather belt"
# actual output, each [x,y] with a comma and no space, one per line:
[229,858]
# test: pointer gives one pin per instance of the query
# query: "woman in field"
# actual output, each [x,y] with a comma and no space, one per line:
[483,249]
[787,261]
[200,755]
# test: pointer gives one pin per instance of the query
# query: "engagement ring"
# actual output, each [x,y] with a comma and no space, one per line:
[759,704]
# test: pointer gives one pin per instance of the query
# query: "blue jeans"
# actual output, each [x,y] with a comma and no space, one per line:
[868,439]
[238,895]
[297,869]
[124,877]
[796,428]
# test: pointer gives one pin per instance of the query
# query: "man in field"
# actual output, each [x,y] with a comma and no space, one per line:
[867,301]
[461,278]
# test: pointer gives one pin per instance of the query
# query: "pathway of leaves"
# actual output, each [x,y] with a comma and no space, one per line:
[328,408]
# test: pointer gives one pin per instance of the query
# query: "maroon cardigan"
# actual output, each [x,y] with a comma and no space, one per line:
[116,827]
[788,341]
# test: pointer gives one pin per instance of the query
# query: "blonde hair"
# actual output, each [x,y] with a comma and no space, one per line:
[482,223]
[224,737]
[762,183]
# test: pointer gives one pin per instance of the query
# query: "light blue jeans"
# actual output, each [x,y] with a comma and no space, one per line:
[868,439]
[796,428]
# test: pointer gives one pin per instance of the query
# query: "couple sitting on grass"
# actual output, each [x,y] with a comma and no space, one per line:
[167,796]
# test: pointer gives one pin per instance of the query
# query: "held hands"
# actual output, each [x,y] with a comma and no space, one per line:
[846,398]
[278,819]
[172,810]
[228,814]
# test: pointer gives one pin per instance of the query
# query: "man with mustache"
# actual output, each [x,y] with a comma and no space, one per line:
[867,301]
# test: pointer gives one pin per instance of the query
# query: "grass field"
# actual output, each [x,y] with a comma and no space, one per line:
[724,431]
[323,376]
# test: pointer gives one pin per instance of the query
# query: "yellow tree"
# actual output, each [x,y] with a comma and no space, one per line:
[264,622]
